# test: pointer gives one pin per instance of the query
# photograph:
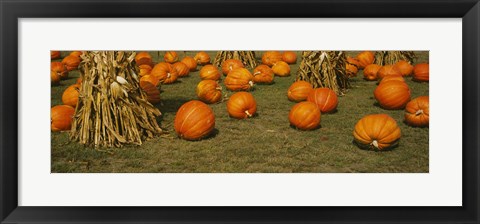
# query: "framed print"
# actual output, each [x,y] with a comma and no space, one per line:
[224,111]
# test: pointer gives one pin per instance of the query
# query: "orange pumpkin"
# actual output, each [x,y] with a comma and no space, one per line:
[70,95]
[299,91]
[76,53]
[417,112]
[351,70]
[392,95]
[71,62]
[290,57]
[377,132]
[305,116]
[143,58]
[230,64]
[54,78]
[209,72]
[144,69]
[392,77]
[281,69]
[271,57]
[325,98]
[170,57]
[263,74]
[353,61]
[190,62]
[194,120]
[152,92]
[149,78]
[182,69]
[365,58]
[387,70]
[239,79]
[54,54]
[60,69]
[421,72]
[79,81]
[164,72]
[404,67]
[202,58]
[209,91]
[370,72]
[61,117]
[241,105]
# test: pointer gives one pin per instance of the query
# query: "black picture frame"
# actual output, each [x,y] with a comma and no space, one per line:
[11,11]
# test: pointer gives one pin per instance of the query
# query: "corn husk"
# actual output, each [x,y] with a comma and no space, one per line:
[392,57]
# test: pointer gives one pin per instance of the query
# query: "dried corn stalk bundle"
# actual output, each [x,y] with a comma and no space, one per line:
[112,109]
[392,57]
[324,69]
[246,57]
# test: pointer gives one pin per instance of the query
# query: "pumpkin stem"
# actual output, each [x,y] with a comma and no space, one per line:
[168,75]
[374,143]
[256,73]
[219,88]
[419,112]
[248,113]
[250,83]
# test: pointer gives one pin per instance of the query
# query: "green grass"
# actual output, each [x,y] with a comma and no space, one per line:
[265,143]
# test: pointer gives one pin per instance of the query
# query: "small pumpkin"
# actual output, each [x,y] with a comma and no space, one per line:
[144,69]
[241,105]
[209,91]
[271,57]
[417,112]
[391,78]
[392,95]
[351,70]
[325,98]
[370,72]
[194,120]
[71,62]
[404,67]
[387,70]
[353,61]
[54,55]
[281,68]
[377,132]
[76,53]
[170,57]
[60,69]
[70,95]
[143,58]
[164,72]
[231,64]
[305,116]
[239,79]
[182,69]
[299,91]
[263,74]
[190,62]
[61,117]
[54,78]
[152,92]
[209,72]
[365,58]
[202,58]
[149,78]
[79,81]
[421,72]
[290,57]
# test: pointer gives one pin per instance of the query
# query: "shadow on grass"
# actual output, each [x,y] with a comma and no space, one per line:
[171,105]
[371,148]
[294,127]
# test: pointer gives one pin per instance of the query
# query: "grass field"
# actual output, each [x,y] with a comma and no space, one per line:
[265,143]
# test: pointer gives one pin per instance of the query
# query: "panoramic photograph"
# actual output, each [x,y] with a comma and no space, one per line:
[239,111]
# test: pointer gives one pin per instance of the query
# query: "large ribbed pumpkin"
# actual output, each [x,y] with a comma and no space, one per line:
[70,95]
[281,68]
[143,58]
[190,62]
[387,70]
[202,58]
[299,91]
[182,69]
[149,78]
[417,112]
[54,54]
[170,57]
[209,72]
[325,98]
[351,70]
[404,67]
[377,132]
[370,72]
[144,69]
[421,72]
[290,57]
[263,74]
[230,64]
[271,57]
[365,58]
[241,105]
[71,62]
[209,91]
[153,94]
[392,95]
[392,78]
[194,120]
[305,116]
[76,53]
[54,78]
[60,69]
[239,79]
[164,72]
[61,117]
